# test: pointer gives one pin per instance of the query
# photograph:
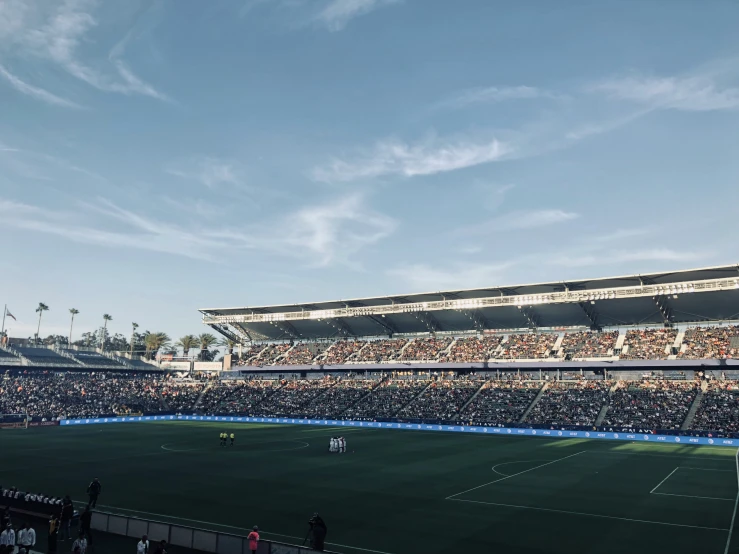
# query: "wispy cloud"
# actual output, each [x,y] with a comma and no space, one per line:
[210,172]
[316,235]
[35,92]
[337,13]
[451,276]
[55,32]
[337,230]
[519,220]
[490,95]
[393,157]
[693,93]
[614,257]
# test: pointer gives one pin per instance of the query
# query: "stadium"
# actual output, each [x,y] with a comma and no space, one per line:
[604,411]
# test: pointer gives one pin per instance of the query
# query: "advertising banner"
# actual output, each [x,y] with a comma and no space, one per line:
[480,430]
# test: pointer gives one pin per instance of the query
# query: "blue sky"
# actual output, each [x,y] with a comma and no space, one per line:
[157,156]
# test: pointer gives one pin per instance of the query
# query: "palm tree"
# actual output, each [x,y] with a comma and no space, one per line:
[154,342]
[186,343]
[206,340]
[74,313]
[133,335]
[228,343]
[40,310]
[106,319]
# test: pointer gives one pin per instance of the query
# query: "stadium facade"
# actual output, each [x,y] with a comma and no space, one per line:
[675,299]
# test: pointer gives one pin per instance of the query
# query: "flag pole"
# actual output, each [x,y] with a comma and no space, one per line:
[5,310]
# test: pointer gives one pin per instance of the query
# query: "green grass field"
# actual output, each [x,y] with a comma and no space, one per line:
[394,492]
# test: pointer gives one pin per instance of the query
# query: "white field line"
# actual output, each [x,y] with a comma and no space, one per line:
[588,515]
[691,496]
[222,526]
[736,503]
[663,480]
[707,469]
[513,462]
[514,475]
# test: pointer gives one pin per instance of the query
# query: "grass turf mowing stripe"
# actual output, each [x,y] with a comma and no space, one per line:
[514,475]
[663,480]
[588,514]
[736,503]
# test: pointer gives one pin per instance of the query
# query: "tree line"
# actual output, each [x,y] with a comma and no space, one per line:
[148,344]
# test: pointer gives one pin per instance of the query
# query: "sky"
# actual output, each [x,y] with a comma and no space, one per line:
[160,156]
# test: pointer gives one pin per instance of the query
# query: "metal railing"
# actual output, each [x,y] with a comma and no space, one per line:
[204,540]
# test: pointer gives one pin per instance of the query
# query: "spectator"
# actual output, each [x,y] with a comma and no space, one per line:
[161,547]
[94,489]
[86,524]
[53,535]
[26,539]
[66,519]
[80,543]
[7,537]
[143,545]
[253,539]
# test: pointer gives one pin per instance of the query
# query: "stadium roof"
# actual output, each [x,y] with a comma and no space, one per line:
[675,297]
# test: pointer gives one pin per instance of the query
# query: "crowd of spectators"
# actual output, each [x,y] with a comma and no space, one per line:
[710,342]
[302,353]
[182,396]
[570,403]
[292,398]
[588,344]
[237,398]
[527,346]
[425,350]
[53,396]
[442,400]
[719,408]
[337,399]
[383,350]
[386,400]
[271,354]
[340,351]
[472,349]
[649,344]
[250,354]
[500,402]
[651,404]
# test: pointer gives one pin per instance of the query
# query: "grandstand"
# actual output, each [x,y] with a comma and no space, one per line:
[675,318]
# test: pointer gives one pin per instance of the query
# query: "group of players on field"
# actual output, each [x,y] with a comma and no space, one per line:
[224,438]
[337,444]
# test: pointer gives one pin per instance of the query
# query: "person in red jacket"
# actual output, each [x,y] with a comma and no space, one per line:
[253,539]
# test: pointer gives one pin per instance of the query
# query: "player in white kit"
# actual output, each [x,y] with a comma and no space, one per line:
[342,444]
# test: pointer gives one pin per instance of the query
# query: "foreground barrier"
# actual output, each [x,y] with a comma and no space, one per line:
[188,537]
[480,430]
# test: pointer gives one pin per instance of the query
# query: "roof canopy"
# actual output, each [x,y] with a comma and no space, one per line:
[688,296]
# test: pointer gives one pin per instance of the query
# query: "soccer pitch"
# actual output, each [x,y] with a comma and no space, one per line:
[394,492]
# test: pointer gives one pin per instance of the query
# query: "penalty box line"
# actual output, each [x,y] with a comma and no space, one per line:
[453,496]
[663,481]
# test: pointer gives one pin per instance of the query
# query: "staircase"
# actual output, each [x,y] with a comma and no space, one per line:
[413,399]
[620,343]
[602,414]
[534,402]
[358,352]
[693,410]
[402,350]
[447,350]
[163,402]
[199,400]
[66,355]
[478,391]
[558,343]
